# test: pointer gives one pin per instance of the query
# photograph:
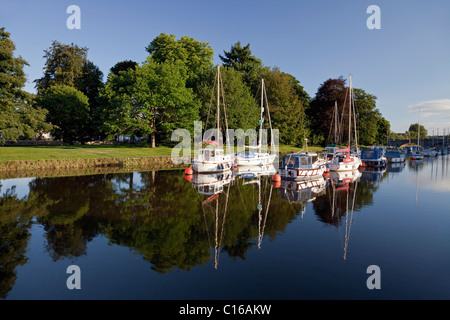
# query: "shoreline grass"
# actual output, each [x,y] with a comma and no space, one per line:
[12,153]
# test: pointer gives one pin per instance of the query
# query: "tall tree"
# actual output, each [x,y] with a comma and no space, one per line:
[18,116]
[123,66]
[64,65]
[414,132]
[68,110]
[367,117]
[90,82]
[195,55]
[287,110]
[241,107]
[320,110]
[241,59]
[384,130]
[151,100]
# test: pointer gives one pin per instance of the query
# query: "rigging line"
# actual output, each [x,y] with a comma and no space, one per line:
[265,216]
[204,218]
[210,101]
[223,223]
[259,214]
[225,115]
[272,142]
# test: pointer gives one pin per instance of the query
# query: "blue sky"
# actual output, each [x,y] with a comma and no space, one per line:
[406,63]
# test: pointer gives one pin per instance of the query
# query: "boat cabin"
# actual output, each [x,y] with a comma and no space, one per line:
[299,161]
[210,154]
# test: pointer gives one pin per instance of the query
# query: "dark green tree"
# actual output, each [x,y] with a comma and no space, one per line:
[241,59]
[384,130]
[18,116]
[68,110]
[123,66]
[320,110]
[63,66]
[367,117]
[242,109]
[90,82]
[287,107]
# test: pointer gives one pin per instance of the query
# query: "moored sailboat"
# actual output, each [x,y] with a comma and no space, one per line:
[257,157]
[213,157]
[345,159]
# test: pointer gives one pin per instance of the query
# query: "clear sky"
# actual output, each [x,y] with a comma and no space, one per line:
[406,63]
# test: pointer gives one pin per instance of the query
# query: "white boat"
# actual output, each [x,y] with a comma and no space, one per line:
[251,172]
[213,158]
[430,152]
[212,183]
[302,165]
[395,155]
[417,151]
[345,159]
[255,156]
[302,191]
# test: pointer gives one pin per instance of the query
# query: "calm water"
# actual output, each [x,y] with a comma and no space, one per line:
[156,235]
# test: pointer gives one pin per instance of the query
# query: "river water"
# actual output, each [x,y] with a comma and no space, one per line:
[159,235]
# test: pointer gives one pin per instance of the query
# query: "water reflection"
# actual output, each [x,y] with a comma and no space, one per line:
[177,222]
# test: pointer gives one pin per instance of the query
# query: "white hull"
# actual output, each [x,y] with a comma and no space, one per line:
[212,183]
[255,171]
[396,159]
[345,166]
[301,174]
[257,160]
[217,165]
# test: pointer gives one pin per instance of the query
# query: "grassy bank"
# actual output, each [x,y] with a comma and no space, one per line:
[98,152]
[72,160]
[81,152]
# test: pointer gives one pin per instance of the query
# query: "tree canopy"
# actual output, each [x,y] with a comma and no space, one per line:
[18,116]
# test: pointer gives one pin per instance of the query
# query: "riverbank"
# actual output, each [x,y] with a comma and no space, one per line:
[16,162]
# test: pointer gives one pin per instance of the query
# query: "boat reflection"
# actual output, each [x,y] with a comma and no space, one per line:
[373,175]
[212,183]
[396,167]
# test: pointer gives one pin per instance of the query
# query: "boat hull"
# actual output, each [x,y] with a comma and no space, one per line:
[201,166]
[257,160]
[345,166]
[301,174]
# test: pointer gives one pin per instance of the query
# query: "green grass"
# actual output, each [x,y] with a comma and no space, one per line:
[80,152]
[99,151]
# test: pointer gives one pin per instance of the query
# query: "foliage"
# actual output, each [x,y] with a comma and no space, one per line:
[19,118]
[414,131]
[321,107]
[241,59]
[63,66]
[90,83]
[195,55]
[151,100]
[68,111]
[287,110]
[123,66]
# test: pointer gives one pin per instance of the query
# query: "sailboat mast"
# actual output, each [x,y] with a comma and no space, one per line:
[262,111]
[418,129]
[350,112]
[218,102]
[335,121]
